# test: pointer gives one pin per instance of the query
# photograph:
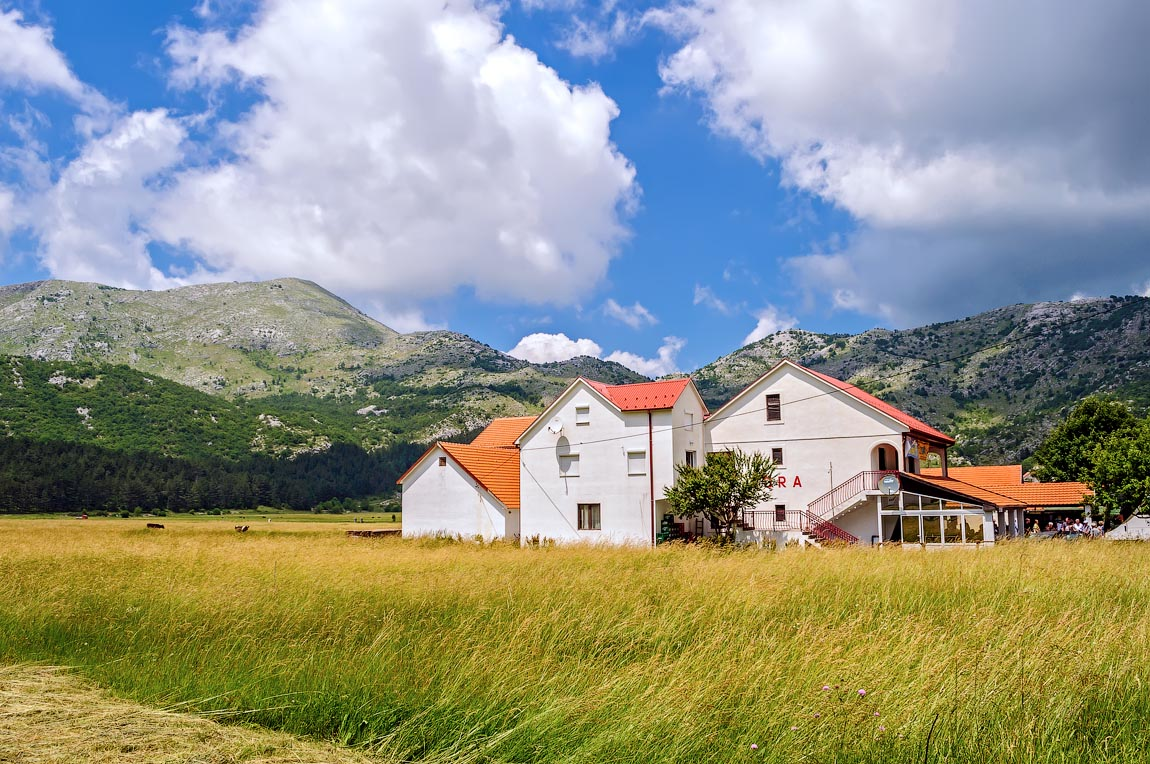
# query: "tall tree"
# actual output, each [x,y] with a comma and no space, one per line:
[728,483]
[1068,451]
[1121,475]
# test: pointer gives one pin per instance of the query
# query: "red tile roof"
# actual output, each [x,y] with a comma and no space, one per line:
[1049,494]
[496,469]
[1006,481]
[981,495]
[503,432]
[917,428]
[643,396]
[987,477]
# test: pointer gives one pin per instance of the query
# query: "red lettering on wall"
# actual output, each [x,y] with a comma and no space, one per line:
[797,483]
[782,481]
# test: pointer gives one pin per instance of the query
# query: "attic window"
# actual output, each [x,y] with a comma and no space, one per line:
[774,408]
[582,415]
[443,461]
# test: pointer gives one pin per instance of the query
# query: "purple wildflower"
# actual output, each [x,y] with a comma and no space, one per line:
[754,746]
[862,693]
[826,687]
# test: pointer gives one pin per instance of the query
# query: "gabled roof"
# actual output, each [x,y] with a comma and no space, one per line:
[643,396]
[503,432]
[495,469]
[917,427]
[640,396]
[987,477]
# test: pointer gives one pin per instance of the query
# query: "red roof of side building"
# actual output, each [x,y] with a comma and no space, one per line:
[643,396]
[987,477]
[978,493]
[1007,480]
[503,432]
[917,427]
[496,469]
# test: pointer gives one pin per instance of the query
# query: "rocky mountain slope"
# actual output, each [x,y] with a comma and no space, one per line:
[998,381]
[299,350]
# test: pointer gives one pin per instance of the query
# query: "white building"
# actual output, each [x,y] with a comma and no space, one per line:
[833,444]
[595,464]
[467,490]
[596,461]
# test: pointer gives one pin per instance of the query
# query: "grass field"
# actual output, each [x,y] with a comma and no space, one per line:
[444,652]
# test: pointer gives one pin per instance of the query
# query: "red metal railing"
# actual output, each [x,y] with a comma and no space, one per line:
[824,506]
[795,520]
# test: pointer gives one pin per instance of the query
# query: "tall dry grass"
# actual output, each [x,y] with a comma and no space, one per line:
[442,652]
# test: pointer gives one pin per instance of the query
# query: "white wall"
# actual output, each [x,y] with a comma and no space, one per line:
[448,500]
[550,501]
[818,432]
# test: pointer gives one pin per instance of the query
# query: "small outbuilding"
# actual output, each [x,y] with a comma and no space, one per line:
[467,490]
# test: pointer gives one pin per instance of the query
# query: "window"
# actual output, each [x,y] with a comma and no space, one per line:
[690,421]
[932,529]
[590,518]
[774,408]
[582,415]
[691,459]
[780,513]
[636,462]
[777,456]
[973,529]
[569,465]
[911,533]
[443,461]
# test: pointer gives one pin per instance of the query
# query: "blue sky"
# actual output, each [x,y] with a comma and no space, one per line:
[656,183]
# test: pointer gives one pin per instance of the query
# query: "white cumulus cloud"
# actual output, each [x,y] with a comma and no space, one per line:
[404,150]
[541,347]
[989,151]
[92,222]
[664,362]
[770,320]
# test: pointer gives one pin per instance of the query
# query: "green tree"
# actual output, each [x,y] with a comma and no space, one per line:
[1068,451]
[1121,475]
[728,483]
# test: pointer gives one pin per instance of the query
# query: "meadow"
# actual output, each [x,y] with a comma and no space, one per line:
[435,651]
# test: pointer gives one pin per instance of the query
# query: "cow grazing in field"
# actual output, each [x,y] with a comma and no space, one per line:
[242,528]
[156,525]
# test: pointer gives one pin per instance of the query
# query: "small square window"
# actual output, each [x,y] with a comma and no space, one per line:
[590,517]
[691,459]
[582,415]
[443,461]
[777,456]
[774,408]
[636,462]
[780,513]
[569,465]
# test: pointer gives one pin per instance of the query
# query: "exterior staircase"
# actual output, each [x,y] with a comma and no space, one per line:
[816,522]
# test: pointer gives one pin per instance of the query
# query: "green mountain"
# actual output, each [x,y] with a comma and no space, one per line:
[315,369]
[998,381]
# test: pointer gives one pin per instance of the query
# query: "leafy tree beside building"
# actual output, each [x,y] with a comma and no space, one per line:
[728,483]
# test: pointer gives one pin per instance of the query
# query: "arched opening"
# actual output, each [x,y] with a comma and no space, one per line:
[884,457]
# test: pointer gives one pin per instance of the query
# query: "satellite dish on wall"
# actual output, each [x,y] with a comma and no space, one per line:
[555,426]
[888,485]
